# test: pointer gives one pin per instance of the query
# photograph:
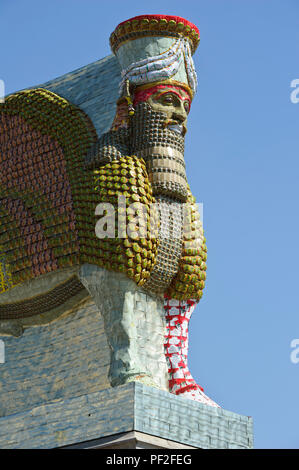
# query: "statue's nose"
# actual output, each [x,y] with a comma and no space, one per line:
[180,116]
[180,113]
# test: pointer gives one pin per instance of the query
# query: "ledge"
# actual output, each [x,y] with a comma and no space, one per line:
[124,409]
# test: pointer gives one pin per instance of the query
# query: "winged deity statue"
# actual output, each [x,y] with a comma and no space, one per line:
[119,202]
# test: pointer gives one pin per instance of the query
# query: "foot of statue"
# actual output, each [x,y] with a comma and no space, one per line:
[196,393]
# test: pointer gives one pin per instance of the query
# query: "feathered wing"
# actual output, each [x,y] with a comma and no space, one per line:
[43,185]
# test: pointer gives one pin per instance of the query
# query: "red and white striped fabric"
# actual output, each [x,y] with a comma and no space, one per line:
[181,382]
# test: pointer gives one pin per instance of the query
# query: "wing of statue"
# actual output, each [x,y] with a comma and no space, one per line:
[48,201]
[43,198]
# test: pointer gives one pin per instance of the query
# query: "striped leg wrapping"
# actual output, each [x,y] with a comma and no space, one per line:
[181,382]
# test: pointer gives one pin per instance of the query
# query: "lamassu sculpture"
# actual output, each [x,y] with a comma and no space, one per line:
[58,181]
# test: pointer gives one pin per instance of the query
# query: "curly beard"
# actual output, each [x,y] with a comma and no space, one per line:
[162,150]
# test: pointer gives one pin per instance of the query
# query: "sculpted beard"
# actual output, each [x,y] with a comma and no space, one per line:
[160,142]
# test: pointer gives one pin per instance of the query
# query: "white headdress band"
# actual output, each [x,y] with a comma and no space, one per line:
[162,66]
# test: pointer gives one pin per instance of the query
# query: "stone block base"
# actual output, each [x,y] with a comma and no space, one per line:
[130,440]
[131,414]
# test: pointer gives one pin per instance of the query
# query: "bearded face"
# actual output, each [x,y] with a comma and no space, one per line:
[158,128]
[156,133]
[173,101]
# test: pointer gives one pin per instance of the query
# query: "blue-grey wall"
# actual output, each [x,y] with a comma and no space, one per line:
[67,358]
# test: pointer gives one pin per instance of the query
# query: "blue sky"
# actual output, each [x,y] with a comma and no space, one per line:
[242,164]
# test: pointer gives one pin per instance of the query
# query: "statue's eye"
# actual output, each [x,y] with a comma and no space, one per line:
[168,99]
[187,106]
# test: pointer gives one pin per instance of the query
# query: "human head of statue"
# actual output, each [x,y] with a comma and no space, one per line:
[158,83]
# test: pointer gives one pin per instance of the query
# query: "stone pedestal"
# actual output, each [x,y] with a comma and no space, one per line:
[130,440]
[56,381]
[129,416]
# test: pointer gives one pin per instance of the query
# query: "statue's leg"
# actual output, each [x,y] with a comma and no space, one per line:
[181,382]
[134,325]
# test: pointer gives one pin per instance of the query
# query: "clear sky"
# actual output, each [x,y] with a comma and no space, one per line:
[242,164]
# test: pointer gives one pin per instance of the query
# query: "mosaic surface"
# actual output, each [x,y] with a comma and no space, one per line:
[56,171]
